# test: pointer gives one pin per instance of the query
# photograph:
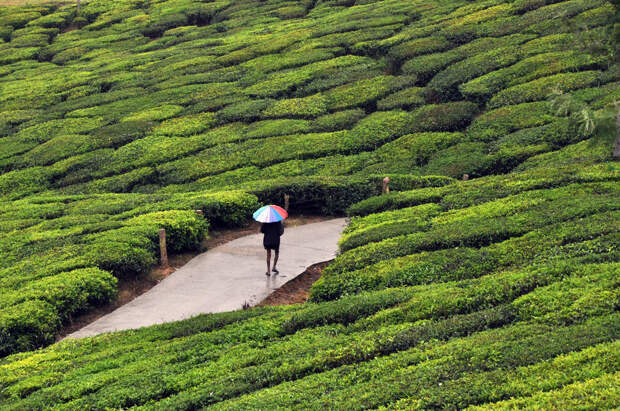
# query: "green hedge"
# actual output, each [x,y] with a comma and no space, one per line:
[480,226]
[351,386]
[121,258]
[444,117]
[531,68]
[279,83]
[16,184]
[345,311]
[68,292]
[490,386]
[185,230]
[390,224]
[478,191]
[122,183]
[31,40]
[426,66]
[365,93]
[595,393]
[315,195]
[541,89]
[375,130]
[19,18]
[417,47]
[331,195]
[45,131]
[307,107]
[559,241]
[154,114]
[56,149]
[588,152]
[356,71]
[330,166]
[222,209]
[506,287]
[27,326]
[407,99]
[408,153]
[496,123]
[281,127]
[185,126]
[446,82]
[339,120]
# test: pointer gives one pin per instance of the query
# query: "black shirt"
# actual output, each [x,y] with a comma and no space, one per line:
[272,232]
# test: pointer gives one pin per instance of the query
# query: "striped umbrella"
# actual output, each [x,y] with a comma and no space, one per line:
[270,214]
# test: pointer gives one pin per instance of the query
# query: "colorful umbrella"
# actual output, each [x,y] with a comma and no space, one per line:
[270,214]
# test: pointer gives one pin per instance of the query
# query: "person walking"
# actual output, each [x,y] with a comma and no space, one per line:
[271,217]
[271,241]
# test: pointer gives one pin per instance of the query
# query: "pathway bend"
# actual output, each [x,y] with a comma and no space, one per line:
[223,279]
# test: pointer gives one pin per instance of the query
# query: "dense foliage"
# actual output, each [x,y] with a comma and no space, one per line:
[499,292]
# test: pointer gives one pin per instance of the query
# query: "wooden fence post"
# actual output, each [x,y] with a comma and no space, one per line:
[465,177]
[162,248]
[386,186]
[286,201]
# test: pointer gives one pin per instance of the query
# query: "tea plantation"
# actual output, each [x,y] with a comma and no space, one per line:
[501,291]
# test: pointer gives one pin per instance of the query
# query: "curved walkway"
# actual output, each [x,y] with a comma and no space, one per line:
[223,278]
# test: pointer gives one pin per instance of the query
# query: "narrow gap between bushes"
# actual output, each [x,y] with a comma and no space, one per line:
[131,287]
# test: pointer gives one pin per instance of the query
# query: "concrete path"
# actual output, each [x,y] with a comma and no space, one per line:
[223,278]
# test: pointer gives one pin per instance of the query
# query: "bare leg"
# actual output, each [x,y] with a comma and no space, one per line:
[268,261]
[275,260]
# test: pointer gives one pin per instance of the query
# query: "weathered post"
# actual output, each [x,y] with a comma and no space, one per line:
[162,248]
[287,199]
[386,186]
[465,177]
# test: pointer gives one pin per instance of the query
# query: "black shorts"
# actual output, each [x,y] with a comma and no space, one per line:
[272,246]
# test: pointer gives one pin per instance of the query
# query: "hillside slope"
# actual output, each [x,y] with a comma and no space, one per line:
[129,116]
[525,307]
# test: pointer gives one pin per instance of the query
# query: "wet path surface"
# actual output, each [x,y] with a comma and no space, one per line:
[223,279]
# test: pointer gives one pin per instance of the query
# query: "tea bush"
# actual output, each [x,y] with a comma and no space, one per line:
[426,66]
[499,122]
[339,120]
[564,240]
[308,107]
[186,229]
[464,228]
[364,92]
[540,89]
[187,125]
[525,70]
[594,393]
[446,82]
[408,98]
[479,191]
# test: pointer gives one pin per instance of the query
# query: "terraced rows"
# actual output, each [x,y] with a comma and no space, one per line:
[126,117]
[148,95]
[528,316]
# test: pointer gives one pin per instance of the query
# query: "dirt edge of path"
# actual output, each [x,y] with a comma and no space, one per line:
[296,291]
[130,288]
